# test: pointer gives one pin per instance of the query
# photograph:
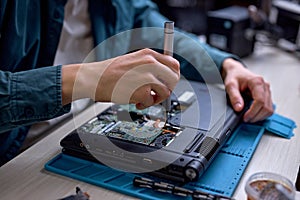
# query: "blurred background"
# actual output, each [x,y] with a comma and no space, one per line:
[236,25]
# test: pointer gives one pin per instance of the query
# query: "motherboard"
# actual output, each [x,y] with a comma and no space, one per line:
[125,122]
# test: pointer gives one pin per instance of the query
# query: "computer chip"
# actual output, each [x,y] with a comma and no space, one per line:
[143,133]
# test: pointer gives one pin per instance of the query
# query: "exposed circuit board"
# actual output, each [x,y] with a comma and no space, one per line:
[127,123]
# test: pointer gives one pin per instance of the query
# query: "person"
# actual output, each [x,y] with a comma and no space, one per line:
[44,42]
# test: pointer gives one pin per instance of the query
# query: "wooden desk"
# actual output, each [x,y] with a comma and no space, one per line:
[275,154]
[25,178]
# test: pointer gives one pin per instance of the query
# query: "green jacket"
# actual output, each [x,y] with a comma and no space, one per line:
[29,35]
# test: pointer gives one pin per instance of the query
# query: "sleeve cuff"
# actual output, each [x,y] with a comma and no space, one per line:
[36,95]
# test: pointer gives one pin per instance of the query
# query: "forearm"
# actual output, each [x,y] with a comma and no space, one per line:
[129,78]
[81,81]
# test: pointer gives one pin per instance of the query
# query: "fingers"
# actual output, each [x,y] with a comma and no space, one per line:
[165,68]
[239,79]
[144,78]
[149,95]
[262,106]
[165,73]
[235,96]
[166,60]
[143,97]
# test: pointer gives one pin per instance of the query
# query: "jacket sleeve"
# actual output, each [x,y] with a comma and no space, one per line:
[30,96]
[199,61]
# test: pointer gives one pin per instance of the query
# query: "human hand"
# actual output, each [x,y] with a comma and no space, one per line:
[238,79]
[144,78]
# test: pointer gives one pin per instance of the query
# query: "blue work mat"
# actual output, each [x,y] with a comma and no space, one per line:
[221,178]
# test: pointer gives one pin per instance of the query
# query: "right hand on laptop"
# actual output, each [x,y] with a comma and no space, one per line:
[144,78]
